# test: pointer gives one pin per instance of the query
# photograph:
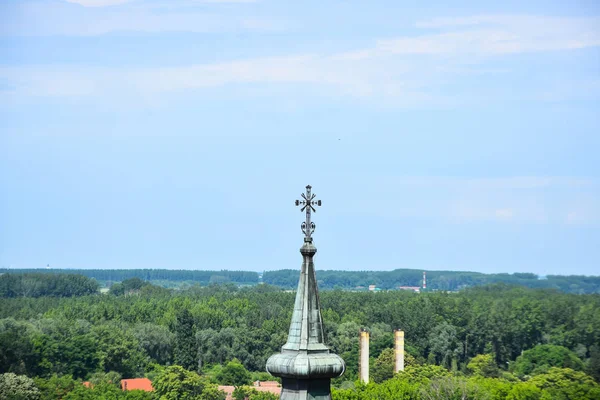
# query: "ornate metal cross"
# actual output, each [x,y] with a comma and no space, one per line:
[308,204]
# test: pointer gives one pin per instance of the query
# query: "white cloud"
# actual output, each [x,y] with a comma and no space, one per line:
[491,35]
[99,3]
[105,3]
[101,17]
[356,80]
[403,69]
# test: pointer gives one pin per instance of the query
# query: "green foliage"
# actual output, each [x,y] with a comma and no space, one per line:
[524,391]
[435,383]
[56,387]
[234,374]
[128,286]
[383,367]
[423,373]
[249,393]
[444,344]
[65,348]
[593,367]
[137,335]
[99,378]
[185,342]
[138,395]
[18,353]
[106,391]
[494,389]
[256,395]
[263,376]
[484,365]
[241,393]
[542,357]
[567,384]
[17,387]
[177,383]
[453,388]
[119,351]
[401,386]
[156,340]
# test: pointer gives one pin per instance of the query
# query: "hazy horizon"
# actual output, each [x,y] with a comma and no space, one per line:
[290,268]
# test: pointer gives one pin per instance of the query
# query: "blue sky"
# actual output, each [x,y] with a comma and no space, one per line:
[177,134]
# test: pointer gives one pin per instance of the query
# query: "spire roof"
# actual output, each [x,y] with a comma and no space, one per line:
[305,362]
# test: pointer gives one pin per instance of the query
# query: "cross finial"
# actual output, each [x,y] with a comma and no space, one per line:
[308,204]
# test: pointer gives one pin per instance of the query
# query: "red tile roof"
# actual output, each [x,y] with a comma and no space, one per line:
[138,383]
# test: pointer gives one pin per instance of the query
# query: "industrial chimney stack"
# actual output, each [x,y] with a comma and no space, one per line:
[399,350]
[363,356]
[424,280]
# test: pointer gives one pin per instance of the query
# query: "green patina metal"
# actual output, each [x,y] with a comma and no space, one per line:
[305,364]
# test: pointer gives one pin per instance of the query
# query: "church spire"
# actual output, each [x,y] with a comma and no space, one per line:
[305,363]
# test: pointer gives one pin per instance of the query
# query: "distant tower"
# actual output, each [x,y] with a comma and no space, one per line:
[424,280]
[305,364]
[363,356]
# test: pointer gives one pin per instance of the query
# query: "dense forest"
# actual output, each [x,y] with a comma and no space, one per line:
[348,280]
[491,342]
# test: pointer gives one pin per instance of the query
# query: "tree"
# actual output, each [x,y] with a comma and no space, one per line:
[177,383]
[64,350]
[524,391]
[112,378]
[383,367]
[241,393]
[212,392]
[593,367]
[156,340]
[567,384]
[185,341]
[542,357]
[484,365]
[128,286]
[106,391]
[234,374]
[424,373]
[249,393]
[451,388]
[17,387]
[56,387]
[444,344]
[16,341]
[119,351]
[256,395]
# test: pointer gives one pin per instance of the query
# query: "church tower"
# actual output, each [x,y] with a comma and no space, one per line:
[305,364]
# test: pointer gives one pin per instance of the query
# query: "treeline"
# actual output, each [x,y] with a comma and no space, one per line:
[51,285]
[108,276]
[328,279]
[436,280]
